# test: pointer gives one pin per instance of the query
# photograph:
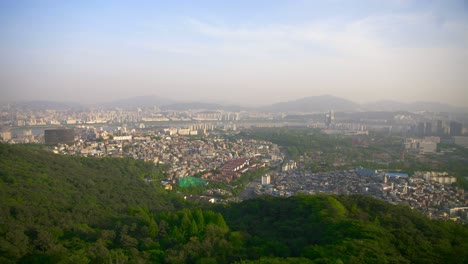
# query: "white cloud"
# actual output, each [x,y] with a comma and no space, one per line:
[418,55]
[369,36]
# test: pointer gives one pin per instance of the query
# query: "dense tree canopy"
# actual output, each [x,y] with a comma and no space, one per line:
[351,229]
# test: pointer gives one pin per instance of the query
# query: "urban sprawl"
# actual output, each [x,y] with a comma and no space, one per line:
[204,144]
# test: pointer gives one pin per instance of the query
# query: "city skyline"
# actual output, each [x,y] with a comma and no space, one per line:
[248,53]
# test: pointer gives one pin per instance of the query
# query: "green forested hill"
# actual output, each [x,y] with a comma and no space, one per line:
[50,203]
[351,229]
[67,209]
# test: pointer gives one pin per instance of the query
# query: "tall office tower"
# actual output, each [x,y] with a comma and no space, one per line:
[440,128]
[329,118]
[420,128]
[455,128]
[428,129]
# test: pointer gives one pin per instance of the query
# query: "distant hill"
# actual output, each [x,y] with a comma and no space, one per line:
[388,105]
[191,105]
[313,104]
[198,105]
[139,101]
[327,102]
[44,105]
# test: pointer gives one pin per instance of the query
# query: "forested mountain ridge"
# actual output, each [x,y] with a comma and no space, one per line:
[68,209]
[351,229]
[52,203]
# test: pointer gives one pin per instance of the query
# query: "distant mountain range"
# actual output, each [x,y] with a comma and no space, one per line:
[139,101]
[312,104]
[412,107]
[327,102]
[43,105]
[198,105]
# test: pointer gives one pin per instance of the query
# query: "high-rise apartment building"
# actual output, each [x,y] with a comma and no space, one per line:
[455,128]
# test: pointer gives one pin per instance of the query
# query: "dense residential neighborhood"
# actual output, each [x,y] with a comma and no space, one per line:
[204,146]
[430,197]
[223,158]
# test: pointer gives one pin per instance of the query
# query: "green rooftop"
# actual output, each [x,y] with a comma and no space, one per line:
[191,181]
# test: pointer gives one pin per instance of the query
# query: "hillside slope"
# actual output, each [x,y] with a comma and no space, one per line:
[352,229]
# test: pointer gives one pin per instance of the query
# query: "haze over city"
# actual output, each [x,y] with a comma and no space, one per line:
[242,52]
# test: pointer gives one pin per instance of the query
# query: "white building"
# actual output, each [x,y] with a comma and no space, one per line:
[266,179]
[184,131]
[422,145]
[427,147]
[441,177]
[121,138]
[291,165]
[461,141]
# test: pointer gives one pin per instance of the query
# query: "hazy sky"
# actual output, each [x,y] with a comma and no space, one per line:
[234,51]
